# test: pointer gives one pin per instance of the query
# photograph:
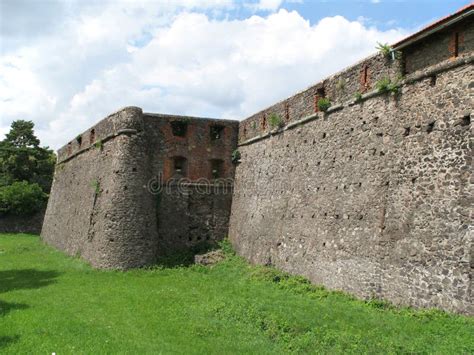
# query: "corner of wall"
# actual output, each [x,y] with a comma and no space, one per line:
[100,207]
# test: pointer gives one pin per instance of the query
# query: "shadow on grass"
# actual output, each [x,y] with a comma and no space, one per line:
[21,279]
[25,279]
[6,340]
[6,307]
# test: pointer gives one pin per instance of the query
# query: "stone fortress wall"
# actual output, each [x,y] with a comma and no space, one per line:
[116,201]
[373,197]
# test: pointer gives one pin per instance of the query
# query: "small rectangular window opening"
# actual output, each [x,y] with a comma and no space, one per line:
[179,128]
[321,92]
[92,136]
[216,132]
[456,44]
[179,165]
[216,168]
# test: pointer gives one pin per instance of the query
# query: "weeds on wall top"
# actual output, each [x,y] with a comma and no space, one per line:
[276,121]
[324,104]
[387,51]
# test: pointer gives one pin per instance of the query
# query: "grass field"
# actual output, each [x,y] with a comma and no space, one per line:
[53,303]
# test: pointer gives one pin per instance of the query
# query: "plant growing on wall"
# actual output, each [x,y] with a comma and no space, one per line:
[96,186]
[236,156]
[384,48]
[357,96]
[341,85]
[387,51]
[254,125]
[324,104]
[387,85]
[276,121]
[99,144]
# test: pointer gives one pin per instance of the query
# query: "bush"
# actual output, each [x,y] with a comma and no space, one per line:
[276,121]
[21,198]
[324,104]
[386,85]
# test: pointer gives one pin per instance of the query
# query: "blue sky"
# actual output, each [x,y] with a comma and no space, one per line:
[383,14]
[65,64]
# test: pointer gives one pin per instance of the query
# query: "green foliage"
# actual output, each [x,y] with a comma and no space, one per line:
[295,284]
[96,186]
[21,198]
[357,96]
[379,304]
[22,159]
[236,156]
[324,104]
[226,247]
[254,125]
[387,85]
[229,308]
[22,134]
[384,48]
[99,144]
[341,85]
[276,121]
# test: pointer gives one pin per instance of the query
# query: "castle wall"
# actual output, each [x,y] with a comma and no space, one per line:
[373,198]
[116,201]
[22,224]
[99,207]
[340,87]
[452,42]
[193,213]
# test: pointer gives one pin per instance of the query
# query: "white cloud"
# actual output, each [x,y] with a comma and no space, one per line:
[269,5]
[156,56]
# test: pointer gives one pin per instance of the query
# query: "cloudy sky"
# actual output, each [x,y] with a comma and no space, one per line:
[66,64]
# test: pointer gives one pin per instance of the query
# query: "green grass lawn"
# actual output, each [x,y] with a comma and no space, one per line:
[53,303]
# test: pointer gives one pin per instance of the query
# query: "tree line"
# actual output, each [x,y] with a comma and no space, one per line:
[26,171]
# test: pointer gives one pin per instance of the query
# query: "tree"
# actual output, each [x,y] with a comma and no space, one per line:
[22,159]
[21,135]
